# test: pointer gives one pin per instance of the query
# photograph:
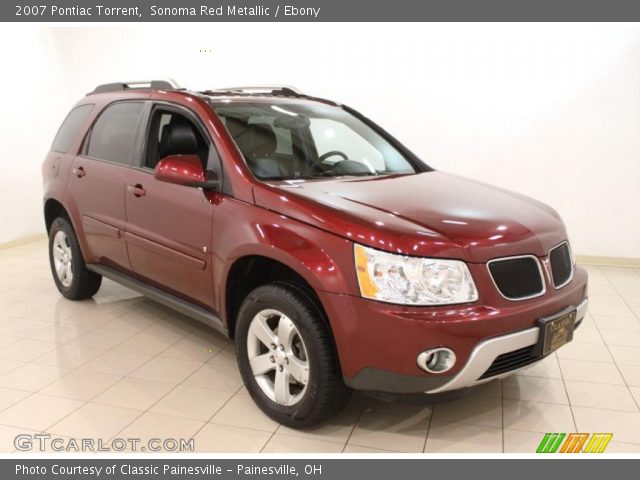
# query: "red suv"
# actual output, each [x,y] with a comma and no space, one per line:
[334,257]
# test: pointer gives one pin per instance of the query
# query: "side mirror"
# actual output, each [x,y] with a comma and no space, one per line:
[185,170]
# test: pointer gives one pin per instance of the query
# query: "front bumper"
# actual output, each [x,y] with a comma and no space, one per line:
[486,352]
[378,343]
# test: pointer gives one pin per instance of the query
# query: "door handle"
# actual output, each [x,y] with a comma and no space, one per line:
[137,190]
[79,172]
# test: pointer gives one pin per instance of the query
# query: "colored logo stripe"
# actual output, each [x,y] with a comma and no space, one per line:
[598,442]
[550,442]
[574,443]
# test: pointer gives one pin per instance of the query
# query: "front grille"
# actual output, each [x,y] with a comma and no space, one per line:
[511,361]
[561,265]
[517,278]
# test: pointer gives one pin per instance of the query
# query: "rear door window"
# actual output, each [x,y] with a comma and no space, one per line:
[70,127]
[114,136]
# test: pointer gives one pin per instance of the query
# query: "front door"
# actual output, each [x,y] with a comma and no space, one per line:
[169,227]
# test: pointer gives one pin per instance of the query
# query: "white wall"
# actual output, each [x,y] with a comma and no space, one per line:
[33,106]
[549,110]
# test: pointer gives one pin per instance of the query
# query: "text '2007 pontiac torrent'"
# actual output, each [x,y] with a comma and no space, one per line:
[332,255]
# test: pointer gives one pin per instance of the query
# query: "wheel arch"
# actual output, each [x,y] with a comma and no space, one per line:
[250,271]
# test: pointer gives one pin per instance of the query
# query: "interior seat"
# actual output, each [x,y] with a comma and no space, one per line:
[179,138]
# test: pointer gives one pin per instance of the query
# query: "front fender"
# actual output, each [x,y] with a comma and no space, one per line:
[324,260]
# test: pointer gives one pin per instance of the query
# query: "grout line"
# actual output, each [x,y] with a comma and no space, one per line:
[355,423]
[609,349]
[426,437]
[502,405]
[79,367]
[566,391]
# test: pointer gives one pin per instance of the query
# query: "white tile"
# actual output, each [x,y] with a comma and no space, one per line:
[69,356]
[227,439]
[483,411]
[37,412]
[625,426]
[521,441]
[154,425]
[144,343]
[536,389]
[585,351]
[287,444]
[610,310]
[192,402]
[8,365]
[9,396]
[537,416]
[548,368]
[349,448]
[631,374]
[135,393]
[164,369]
[462,438]
[103,338]
[337,429]
[213,376]
[117,363]
[618,323]
[398,433]
[8,437]
[96,421]
[595,372]
[621,338]
[625,355]
[619,447]
[241,411]
[81,385]
[32,377]
[599,395]
[26,349]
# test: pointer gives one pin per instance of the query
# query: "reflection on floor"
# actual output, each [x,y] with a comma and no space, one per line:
[121,366]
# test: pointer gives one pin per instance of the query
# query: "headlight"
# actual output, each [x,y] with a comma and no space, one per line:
[412,280]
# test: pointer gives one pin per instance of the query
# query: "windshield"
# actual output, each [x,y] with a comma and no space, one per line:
[291,141]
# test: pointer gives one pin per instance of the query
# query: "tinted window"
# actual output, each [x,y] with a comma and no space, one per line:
[70,127]
[113,136]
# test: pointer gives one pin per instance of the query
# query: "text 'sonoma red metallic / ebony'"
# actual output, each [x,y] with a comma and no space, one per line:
[334,257]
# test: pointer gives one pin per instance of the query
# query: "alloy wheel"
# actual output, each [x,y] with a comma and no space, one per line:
[278,357]
[63,258]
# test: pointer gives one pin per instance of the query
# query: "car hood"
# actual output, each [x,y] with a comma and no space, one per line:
[427,214]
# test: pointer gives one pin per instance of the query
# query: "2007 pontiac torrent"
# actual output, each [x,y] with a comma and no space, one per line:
[333,256]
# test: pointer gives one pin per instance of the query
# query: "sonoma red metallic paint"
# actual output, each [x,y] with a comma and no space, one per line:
[187,241]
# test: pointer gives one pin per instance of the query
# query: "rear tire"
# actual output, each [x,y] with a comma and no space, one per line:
[286,356]
[70,273]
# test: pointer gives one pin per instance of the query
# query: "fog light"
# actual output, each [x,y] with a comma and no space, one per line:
[437,360]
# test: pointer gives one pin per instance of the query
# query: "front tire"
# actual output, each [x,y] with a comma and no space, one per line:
[70,273]
[286,356]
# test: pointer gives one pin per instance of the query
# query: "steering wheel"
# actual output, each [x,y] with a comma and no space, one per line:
[331,153]
[318,166]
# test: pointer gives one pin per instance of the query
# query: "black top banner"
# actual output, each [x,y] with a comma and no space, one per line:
[318,10]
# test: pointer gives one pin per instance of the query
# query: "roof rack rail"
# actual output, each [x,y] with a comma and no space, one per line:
[285,90]
[275,91]
[151,84]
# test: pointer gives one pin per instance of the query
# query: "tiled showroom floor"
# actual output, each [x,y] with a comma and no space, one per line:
[123,366]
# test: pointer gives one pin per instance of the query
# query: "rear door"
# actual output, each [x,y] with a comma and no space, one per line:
[169,227]
[98,179]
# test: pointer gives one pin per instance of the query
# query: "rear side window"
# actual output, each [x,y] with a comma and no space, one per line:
[114,135]
[70,127]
